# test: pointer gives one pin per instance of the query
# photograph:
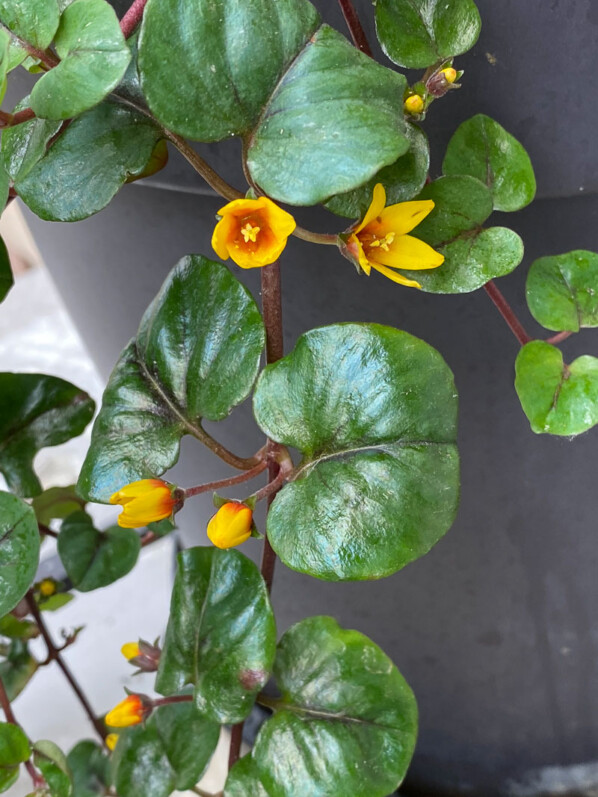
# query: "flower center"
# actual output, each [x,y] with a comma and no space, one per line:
[249,232]
[383,243]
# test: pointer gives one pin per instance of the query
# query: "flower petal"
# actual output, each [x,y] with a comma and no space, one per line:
[404,216]
[407,252]
[280,222]
[376,207]
[136,490]
[395,276]
[356,249]
[224,231]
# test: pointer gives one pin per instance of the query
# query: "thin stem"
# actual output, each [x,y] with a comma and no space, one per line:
[211,177]
[12,120]
[217,485]
[240,463]
[236,739]
[37,779]
[54,654]
[560,336]
[328,239]
[273,486]
[132,18]
[355,27]
[504,308]
[46,531]
[167,701]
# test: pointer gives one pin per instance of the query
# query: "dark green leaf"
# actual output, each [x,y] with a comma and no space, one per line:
[562,291]
[461,203]
[25,144]
[346,723]
[86,166]
[32,21]
[36,411]
[557,398]
[19,550]
[244,780]
[56,502]
[171,751]
[419,33]
[4,186]
[51,762]
[14,745]
[221,634]
[90,770]
[94,57]
[8,777]
[6,278]
[196,355]
[17,669]
[402,179]
[482,148]
[14,628]
[94,559]
[374,412]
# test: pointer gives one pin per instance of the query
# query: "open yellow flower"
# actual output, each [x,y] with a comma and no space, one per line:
[145,501]
[381,242]
[253,232]
[130,711]
[231,525]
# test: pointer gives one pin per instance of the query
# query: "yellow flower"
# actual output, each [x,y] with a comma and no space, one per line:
[130,711]
[414,104]
[380,240]
[231,525]
[130,650]
[252,231]
[47,587]
[111,740]
[450,74]
[146,501]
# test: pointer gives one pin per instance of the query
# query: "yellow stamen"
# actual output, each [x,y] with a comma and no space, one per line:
[249,233]
[384,243]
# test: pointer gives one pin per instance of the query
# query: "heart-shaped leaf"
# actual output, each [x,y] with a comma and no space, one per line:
[224,647]
[419,33]
[482,148]
[461,203]
[32,22]
[557,398]
[196,355]
[171,751]
[346,718]
[90,770]
[374,412]
[562,291]
[402,180]
[51,762]
[17,668]
[14,745]
[36,411]
[6,278]
[92,558]
[19,550]
[56,502]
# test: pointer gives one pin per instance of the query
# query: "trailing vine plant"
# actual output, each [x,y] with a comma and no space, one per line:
[371,410]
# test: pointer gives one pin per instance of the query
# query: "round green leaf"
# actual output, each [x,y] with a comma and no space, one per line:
[347,720]
[14,745]
[25,144]
[482,148]
[461,203]
[557,398]
[56,502]
[17,669]
[36,411]
[90,770]
[243,779]
[171,751]
[419,33]
[19,550]
[402,179]
[34,22]
[51,762]
[94,57]
[196,355]
[94,559]
[8,777]
[224,647]
[374,412]
[6,278]
[562,291]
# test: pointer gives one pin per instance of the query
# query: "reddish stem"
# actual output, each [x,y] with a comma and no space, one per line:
[232,480]
[11,120]
[504,308]
[559,337]
[132,18]
[167,701]
[355,27]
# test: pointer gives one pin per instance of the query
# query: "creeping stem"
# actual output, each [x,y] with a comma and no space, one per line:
[504,308]
[355,27]
[218,485]
[132,18]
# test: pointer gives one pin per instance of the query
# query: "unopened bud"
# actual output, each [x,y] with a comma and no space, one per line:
[231,525]
[414,104]
[440,82]
[111,740]
[143,655]
[130,711]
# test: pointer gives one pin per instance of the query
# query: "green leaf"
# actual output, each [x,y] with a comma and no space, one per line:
[244,780]
[4,189]
[94,559]
[374,412]
[13,628]
[347,717]
[402,179]
[225,647]
[196,355]
[51,762]
[34,22]
[19,550]
[419,33]
[557,398]
[90,770]
[94,57]
[25,144]
[171,751]
[87,164]
[14,745]
[562,291]
[482,148]
[6,278]
[56,502]
[17,669]
[55,602]
[36,411]
[319,117]
[461,203]
[8,777]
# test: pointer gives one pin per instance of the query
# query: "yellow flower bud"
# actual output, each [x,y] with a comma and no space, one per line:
[130,650]
[111,740]
[450,74]
[145,501]
[231,525]
[47,587]
[130,711]
[413,104]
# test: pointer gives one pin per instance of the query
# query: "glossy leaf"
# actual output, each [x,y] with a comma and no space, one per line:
[25,144]
[482,148]
[17,669]
[562,291]
[36,411]
[171,751]
[86,166]
[14,745]
[461,203]
[4,190]
[402,180]
[373,411]
[557,398]
[196,355]
[19,550]
[6,278]
[33,22]
[419,33]
[92,558]
[51,762]
[56,502]
[244,779]
[221,634]
[94,57]
[90,770]
[346,722]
